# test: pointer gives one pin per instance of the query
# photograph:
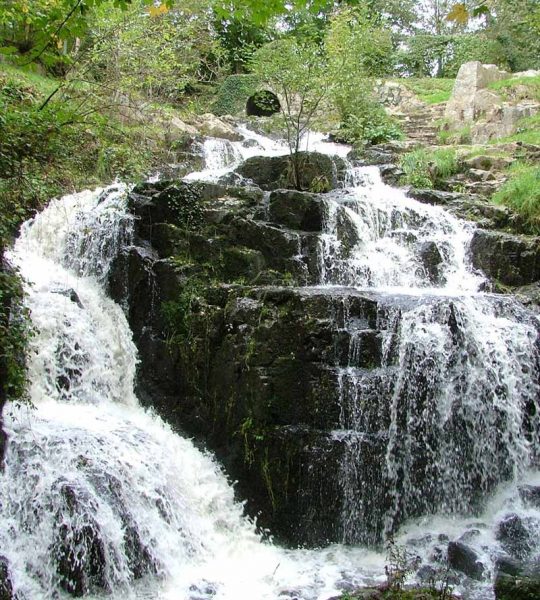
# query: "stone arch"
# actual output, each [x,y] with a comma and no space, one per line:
[263,103]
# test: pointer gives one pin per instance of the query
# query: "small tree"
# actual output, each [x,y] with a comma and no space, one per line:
[359,48]
[296,71]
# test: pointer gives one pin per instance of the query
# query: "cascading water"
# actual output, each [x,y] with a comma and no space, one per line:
[100,497]
[452,410]
[377,237]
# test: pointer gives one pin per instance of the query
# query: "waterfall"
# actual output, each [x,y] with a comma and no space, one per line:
[101,498]
[451,411]
[377,237]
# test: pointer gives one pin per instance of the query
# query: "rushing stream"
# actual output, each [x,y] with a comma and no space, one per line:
[93,479]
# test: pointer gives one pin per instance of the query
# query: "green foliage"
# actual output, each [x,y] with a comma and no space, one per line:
[15,333]
[358,48]
[49,150]
[400,565]
[47,31]
[240,38]
[186,206]
[234,92]
[431,90]
[177,314]
[366,122]
[469,47]
[515,24]
[446,135]
[424,54]
[425,169]
[522,194]
[158,54]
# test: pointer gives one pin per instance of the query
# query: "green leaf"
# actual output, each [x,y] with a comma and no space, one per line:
[481,10]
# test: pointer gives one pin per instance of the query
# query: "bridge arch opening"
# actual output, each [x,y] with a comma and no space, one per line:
[262,104]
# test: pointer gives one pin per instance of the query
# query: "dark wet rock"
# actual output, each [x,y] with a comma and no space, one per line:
[391,174]
[508,565]
[516,537]
[6,588]
[375,155]
[238,357]
[529,295]
[464,559]
[318,172]
[78,550]
[506,258]
[72,295]
[371,593]
[426,573]
[296,210]
[177,203]
[432,259]
[381,154]
[470,207]
[530,494]
[469,535]
[232,179]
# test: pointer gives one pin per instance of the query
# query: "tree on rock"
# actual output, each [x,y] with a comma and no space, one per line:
[295,69]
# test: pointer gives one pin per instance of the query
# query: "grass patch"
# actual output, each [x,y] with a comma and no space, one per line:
[425,169]
[528,131]
[518,88]
[522,194]
[28,76]
[431,90]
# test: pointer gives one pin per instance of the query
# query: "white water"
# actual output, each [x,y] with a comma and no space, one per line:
[88,468]
[375,234]
[91,470]
[223,156]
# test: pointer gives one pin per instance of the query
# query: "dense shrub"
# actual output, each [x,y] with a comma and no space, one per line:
[425,169]
[425,55]
[366,122]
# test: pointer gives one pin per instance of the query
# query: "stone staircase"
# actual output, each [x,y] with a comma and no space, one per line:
[422,124]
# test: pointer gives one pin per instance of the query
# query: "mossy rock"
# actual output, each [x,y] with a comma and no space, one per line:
[233,94]
[512,587]
[318,172]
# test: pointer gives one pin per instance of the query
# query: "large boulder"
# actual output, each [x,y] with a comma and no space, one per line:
[318,172]
[212,126]
[396,97]
[473,104]
[6,588]
[517,587]
[516,536]
[297,210]
[463,558]
[470,207]
[502,120]
[470,96]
